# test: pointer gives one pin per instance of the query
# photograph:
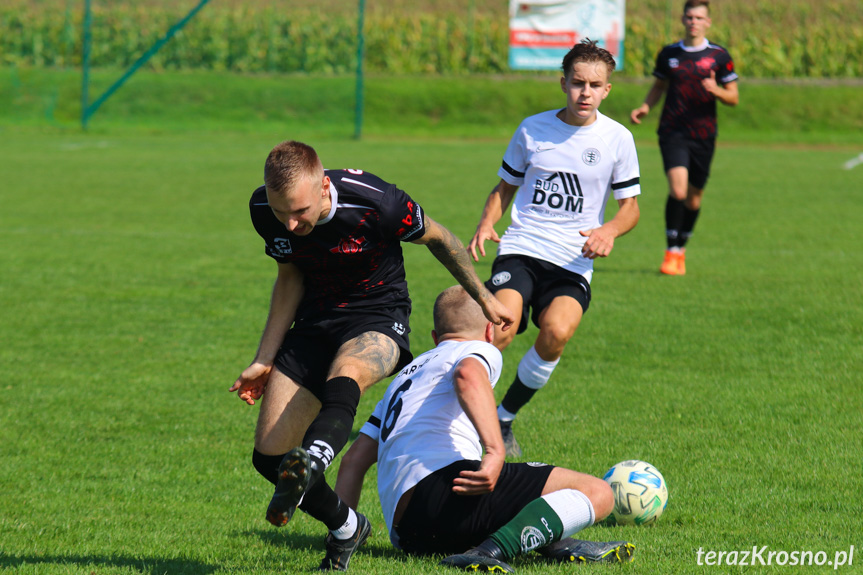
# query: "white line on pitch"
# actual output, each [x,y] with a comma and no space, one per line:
[854,162]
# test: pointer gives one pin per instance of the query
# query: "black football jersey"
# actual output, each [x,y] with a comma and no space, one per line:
[689,109]
[354,260]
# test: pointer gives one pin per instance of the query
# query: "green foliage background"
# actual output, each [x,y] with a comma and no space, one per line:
[767,38]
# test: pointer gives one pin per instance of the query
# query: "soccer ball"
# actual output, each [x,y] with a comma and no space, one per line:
[640,493]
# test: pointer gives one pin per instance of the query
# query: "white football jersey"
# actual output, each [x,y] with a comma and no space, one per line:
[420,426]
[566,174]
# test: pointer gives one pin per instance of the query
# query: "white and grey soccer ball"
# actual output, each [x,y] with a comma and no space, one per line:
[640,492]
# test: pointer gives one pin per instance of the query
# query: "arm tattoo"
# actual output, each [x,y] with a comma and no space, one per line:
[449,251]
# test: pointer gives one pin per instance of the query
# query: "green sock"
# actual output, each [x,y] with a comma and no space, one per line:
[534,526]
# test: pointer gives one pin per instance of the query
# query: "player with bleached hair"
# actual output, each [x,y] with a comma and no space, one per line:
[559,171]
[338,323]
[442,480]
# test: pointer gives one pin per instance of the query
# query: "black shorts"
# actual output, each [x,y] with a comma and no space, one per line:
[694,155]
[538,282]
[311,344]
[438,521]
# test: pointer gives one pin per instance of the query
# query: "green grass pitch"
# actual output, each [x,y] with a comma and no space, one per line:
[133,290]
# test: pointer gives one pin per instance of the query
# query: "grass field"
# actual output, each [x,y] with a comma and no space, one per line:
[134,289]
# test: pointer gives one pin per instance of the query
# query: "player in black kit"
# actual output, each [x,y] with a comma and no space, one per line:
[694,73]
[338,323]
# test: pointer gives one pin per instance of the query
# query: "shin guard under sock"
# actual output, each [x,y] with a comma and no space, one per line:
[329,432]
[545,520]
[533,373]
[674,210]
[689,218]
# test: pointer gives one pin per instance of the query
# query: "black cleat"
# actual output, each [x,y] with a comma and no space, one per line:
[469,562]
[485,557]
[340,551]
[571,550]
[513,449]
[295,473]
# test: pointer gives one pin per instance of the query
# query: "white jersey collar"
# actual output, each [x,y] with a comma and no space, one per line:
[703,46]
[576,128]
[334,199]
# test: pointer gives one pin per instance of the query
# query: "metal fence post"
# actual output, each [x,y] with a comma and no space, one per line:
[85,65]
[358,109]
[90,109]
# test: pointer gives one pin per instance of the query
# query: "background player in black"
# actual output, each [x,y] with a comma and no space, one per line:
[338,323]
[695,74]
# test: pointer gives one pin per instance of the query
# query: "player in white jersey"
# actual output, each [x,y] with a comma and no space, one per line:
[559,171]
[439,492]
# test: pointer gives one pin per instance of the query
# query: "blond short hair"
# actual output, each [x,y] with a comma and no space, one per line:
[288,163]
[456,312]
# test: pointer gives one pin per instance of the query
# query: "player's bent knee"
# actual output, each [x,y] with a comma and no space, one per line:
[560,333]
[693,202]
[552,340]
[598,491]
[273,444]
[602,499]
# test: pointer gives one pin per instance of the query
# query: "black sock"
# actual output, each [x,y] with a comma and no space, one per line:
[329,432]
[267,465]
[322,503]
[516,396]
[689,217]
[674,211]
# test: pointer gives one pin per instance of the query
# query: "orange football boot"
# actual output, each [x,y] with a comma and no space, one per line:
[671,264]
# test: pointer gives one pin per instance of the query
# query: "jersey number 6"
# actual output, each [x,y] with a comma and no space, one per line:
[393,410]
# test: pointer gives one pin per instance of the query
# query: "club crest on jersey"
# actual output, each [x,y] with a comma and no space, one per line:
[501,278]
[705,64]
[281,247]
[673,63]
[591,156]
[350,246]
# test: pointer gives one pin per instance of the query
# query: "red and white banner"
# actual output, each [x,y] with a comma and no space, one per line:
[541,32]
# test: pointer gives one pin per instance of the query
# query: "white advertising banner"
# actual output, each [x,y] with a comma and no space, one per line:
[541,32]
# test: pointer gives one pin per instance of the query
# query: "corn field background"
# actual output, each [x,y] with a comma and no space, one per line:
[767,38]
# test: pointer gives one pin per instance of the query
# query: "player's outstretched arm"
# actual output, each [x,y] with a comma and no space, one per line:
[498,200]
[476,397]
[449,251]
[650,101]
[600,241]
[356,461]
[287,293]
